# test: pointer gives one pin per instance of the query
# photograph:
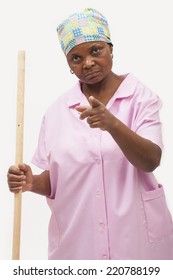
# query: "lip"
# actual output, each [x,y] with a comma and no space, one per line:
[91,74]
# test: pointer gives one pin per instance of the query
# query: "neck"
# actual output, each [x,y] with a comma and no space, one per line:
[104,90]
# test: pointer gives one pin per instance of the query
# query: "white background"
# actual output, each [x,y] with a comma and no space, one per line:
[142,36]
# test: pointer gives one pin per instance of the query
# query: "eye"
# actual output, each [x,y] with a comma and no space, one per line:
[96,51]
[76,59]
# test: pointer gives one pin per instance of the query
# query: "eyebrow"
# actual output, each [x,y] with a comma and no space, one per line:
[95,44]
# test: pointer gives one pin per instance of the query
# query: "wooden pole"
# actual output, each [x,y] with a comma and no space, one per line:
[19,152]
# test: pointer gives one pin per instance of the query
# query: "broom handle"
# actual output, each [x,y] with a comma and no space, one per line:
[19,152]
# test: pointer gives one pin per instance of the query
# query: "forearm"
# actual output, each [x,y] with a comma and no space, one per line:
[41,184]
[142,153]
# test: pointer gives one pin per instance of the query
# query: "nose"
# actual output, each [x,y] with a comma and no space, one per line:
[88,62]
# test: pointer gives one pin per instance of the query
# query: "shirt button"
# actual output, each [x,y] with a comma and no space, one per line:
[104,257]
[98,193]
[102,226]
[96,132]
[97,160]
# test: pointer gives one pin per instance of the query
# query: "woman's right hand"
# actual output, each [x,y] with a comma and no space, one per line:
[20,178]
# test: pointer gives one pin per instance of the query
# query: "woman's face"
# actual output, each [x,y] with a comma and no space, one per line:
[91,62]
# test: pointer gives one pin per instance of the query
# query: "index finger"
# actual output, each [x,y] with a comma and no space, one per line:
[94,102]
[13,169]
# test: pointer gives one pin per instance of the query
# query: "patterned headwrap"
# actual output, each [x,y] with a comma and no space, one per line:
[87,26]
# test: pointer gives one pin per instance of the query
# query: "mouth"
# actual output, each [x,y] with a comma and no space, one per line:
[91,75]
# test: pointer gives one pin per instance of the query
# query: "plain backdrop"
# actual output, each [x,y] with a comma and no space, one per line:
[142,35]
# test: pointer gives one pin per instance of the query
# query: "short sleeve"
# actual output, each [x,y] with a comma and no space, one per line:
[147,123]
[40,157]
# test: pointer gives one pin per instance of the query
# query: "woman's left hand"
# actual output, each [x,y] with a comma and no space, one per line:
[97,114]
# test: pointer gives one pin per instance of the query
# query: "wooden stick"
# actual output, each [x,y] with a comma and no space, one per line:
[19,152]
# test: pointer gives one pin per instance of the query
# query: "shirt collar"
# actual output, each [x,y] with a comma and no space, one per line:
[74,96]
[126,89]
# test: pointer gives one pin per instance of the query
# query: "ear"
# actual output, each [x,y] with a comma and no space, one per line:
[111,50]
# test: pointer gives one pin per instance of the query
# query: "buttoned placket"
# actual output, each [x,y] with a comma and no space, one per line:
[101,226]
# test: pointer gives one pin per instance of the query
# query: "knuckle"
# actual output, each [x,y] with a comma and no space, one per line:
[89,120]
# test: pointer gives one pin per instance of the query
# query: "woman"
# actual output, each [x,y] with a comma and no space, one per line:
[98,146]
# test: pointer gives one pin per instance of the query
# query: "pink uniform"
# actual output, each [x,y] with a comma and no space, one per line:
[102,206]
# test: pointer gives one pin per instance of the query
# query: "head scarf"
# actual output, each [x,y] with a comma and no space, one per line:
[87,26]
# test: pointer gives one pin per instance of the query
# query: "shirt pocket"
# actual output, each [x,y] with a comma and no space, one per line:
[158,218]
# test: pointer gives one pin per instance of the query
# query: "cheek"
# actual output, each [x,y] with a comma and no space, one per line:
[77,71]
[108,65]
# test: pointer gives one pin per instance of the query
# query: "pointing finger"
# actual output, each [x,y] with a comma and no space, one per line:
[94,102]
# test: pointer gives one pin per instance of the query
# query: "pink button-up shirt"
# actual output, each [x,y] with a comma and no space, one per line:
[102,206]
